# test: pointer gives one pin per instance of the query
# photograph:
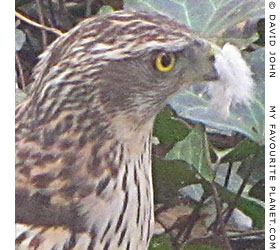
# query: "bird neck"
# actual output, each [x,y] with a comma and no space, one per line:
[124,189]
[131,133]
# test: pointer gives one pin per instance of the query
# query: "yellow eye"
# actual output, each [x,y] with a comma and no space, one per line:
[165,61]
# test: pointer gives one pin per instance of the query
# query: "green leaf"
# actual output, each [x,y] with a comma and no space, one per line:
[190,104]
[241,151]
[169,130]
[222,14]
[105,9]
[169,177]
[160,243]
[194,150]
[254,211]
[241,35]
[257,162]
[258,190]
[206,16]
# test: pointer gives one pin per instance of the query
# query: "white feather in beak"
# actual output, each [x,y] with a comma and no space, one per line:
[235,84]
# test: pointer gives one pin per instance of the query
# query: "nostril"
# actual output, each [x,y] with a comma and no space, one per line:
[212,58]
[212,75]
[198,43]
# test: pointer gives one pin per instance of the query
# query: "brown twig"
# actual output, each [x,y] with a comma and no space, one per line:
[52,15]
[219,208]
[20,71]
[184,225]
[212,239]
[221,222]
[228,174]
[42,21]
[174,203]
[232,205]
[40,26]
[88,8]
[247,234]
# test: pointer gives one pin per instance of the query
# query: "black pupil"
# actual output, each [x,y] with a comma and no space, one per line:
[165,60]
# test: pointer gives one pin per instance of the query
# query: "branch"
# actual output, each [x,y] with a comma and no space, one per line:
[20,71]
[42,21]
[40,26]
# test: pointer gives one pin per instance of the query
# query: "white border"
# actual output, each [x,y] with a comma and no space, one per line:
[272,98]
[7,106]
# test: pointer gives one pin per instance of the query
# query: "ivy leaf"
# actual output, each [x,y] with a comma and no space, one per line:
[194,150]
[258,190]
[257,162]
[168,129]
[210,17]
[169,177]
[241,151]
[241,35]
